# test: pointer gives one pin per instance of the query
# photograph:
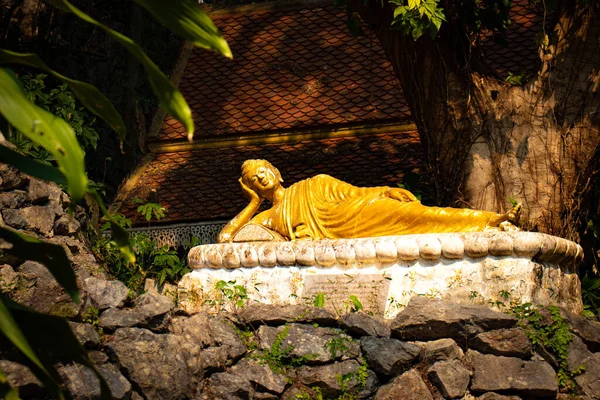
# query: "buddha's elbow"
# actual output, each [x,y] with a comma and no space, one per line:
[224,237]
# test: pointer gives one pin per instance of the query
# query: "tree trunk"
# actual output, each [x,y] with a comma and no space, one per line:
[487,141]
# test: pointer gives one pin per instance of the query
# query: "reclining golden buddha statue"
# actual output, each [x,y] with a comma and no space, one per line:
[324,207]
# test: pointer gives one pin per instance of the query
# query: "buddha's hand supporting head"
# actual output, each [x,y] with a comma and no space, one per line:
[260,177]
[249,192]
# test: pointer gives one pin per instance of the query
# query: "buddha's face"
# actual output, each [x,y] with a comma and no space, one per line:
[262,177]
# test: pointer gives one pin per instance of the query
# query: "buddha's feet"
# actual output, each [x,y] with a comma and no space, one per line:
[514,214]
[510,220]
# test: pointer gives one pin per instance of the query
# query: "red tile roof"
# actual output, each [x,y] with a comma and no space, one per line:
[202,185]
[287,78]
[292,69]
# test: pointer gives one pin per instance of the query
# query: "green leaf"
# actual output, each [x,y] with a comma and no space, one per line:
[46,130]
[513,201]
[91,97]
[169,96]
[30,166]
[52,256]
[357,304]
[118,234]
[413,4]
[12,331]
[55,339]
[319,300]
[187,20]
[220,284]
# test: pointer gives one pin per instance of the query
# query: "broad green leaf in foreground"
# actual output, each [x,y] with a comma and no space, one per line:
[52,336]
[31,166]
[7,392]
[169,96]
[188,21]
[46,130]
[91,97]
[52,256]
[12,331]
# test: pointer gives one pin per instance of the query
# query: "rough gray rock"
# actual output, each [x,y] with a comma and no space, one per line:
[10,177]
[587,329]
[98,357]
[272,314]
[577,354]
[149,309]
[427,319]
[217,337]
[14,199]
[362,324]
[440,350]
[9,279]
[315,344]
[246,380]
[566,396]
[496,396]
[83,384]
[194,329]
[450,377]
[66,225]
[388,357]
[408,386]
[86,334]
[106,294]
[503,342]
[38,219]
[39,290]
[589,380]
[41,192]
[226,346]
[497,373]
[326,377]
[84,262]
[19,376]
[136,396]
[164,367]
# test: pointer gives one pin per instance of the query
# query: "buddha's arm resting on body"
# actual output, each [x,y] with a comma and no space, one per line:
[233,226]
[400,194]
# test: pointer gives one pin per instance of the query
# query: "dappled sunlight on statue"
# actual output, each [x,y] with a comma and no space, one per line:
[323,207]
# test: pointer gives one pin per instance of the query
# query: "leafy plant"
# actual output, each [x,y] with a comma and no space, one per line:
[230,296]
[60,102]
[552,333]
[279,358]
[355,304]
[172,267]
[162,263]
[150,210]
[319,300]
[335,345]
[418,17]
[516,79]
[275,357]
[590,295]
[92,317]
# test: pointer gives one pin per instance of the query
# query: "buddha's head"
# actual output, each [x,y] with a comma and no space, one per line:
[261,176]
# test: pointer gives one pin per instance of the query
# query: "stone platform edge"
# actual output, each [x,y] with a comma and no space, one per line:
[388,249]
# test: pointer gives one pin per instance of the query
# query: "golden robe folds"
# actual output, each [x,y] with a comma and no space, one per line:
[325,207]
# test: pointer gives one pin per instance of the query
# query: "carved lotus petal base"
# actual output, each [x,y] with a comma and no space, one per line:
[385,272]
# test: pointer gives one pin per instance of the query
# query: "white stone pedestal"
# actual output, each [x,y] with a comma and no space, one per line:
[383,273]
